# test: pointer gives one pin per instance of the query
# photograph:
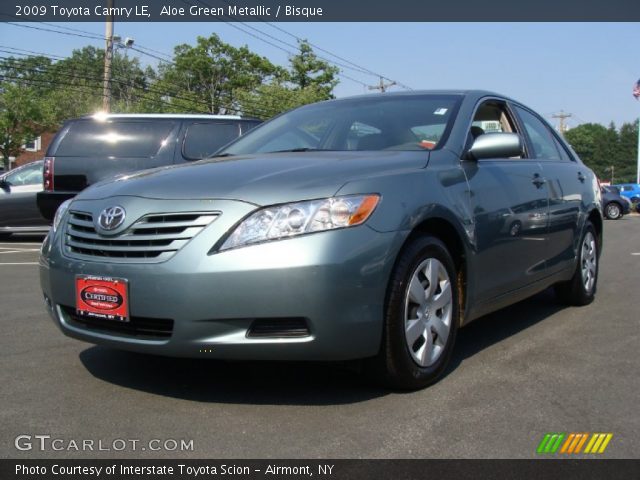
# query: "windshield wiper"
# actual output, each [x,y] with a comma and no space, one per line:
[301,149]
[220,155]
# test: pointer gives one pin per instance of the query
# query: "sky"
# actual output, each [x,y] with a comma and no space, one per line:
[586,69]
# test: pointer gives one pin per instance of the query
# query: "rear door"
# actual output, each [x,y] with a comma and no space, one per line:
[568,181]
[510,204]
[18,199]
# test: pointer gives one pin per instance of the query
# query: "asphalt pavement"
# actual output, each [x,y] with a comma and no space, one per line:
[533,368]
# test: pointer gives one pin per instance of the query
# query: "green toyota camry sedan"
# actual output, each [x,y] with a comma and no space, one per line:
[367,228]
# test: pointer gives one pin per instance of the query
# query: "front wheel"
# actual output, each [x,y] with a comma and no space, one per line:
[581,289]
[421,318]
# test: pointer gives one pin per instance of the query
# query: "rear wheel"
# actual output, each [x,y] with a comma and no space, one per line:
[613,211]
[581,289]
[421,318]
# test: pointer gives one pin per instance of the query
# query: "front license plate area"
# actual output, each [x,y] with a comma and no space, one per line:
[106,298]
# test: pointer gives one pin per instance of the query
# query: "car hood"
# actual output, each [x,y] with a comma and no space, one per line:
[261,179]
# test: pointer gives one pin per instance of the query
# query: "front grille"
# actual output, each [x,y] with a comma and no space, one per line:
[153,238]
[141,327]
[291,327]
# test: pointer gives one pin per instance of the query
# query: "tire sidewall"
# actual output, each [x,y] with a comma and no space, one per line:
[584,296]
[400,363]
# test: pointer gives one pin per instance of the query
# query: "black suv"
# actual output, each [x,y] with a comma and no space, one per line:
[90,149]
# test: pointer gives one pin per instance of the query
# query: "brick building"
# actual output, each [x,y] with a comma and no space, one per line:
[34,150]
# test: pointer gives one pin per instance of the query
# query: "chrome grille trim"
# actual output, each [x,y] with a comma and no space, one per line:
[153,238]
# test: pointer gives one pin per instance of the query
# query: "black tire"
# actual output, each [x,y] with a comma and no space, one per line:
[613,211]
[575,291]
[394,366]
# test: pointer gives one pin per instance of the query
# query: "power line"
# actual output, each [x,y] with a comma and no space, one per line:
[233,25]
[347,63]
[98,36]
[364,69]
[93,37]
[18,50]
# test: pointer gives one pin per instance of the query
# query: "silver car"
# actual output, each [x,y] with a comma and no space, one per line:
[365,228]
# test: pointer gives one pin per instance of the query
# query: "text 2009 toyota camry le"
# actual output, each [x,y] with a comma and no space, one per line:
[365,228]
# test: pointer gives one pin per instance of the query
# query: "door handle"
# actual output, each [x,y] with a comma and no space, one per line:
[581,177]
[537,180]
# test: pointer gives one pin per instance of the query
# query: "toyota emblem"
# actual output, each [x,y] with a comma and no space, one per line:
[111,217]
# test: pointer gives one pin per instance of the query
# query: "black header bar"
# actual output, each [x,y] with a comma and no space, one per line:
[583,469]
[320,10]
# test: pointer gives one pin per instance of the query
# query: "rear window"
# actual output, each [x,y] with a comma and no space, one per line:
[204,139]
[115,138]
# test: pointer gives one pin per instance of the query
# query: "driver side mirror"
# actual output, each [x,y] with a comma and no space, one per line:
[4,185]
[496,145]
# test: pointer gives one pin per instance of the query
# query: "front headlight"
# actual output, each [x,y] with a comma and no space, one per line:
[62,209]
[288,220]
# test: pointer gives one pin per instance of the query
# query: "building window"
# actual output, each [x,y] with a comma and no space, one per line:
[34,145]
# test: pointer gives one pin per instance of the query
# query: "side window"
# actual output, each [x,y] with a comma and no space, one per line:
[542,140]
[204,139]
[563,153]
[28,175]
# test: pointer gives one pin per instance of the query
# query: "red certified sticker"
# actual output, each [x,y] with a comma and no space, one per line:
[102,297]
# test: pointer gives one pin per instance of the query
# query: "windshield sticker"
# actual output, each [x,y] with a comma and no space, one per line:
[428,144]
[440,111]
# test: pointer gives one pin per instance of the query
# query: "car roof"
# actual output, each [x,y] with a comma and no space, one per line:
[473,94]
[106,116]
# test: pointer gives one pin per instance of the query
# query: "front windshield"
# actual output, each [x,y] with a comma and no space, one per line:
[406,122]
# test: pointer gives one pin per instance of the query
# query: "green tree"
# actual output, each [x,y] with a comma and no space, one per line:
[23,116]
[308,80]
[276,97]
[307,70]
[629,151]
[607,150]
[596,146]
[209,77]
[79,82]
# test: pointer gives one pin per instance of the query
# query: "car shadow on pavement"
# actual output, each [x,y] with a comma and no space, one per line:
[238,382]
[498,326]
[291,383]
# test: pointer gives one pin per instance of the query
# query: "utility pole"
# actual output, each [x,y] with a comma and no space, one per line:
[382,86]
[562,116]
[108,57]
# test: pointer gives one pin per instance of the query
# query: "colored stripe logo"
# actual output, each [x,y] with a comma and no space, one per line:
[573,443]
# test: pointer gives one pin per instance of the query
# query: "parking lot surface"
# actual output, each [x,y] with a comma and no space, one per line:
[533,368]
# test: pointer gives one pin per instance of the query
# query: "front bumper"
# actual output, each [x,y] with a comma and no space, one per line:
[334,280]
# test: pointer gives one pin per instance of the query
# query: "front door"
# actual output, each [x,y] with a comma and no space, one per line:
[510,205]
